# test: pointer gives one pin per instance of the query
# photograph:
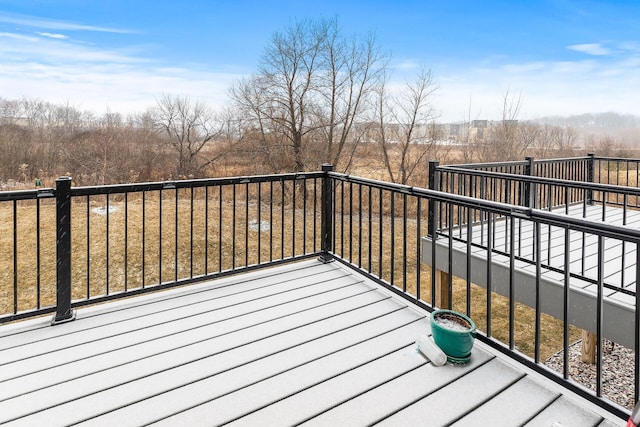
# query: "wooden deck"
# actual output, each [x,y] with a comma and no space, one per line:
[306,343]
[619,268]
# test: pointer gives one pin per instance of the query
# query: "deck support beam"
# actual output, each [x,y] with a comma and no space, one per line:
[442,299]
[588,351]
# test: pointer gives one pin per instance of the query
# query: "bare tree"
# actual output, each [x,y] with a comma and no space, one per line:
[308,93]
[351,68]
[407,134]
[554,141]
[503,140]
[188,126]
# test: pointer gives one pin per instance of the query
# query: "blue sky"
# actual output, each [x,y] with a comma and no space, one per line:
[563,56]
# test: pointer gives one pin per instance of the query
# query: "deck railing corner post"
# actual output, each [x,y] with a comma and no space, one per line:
[591,161]
[433,185]
[529,187]
[64,313]
[326,215]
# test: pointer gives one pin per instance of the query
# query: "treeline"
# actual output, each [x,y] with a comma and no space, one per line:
[317,96]
[43,140]
[593,121]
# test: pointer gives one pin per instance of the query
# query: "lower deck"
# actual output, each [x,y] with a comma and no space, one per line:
[502,249]
[300,344]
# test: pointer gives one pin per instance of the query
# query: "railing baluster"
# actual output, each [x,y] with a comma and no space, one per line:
[293,219]
[360,228]
[15,256]
[599,315]
[106,242]
[191,233]
[160,194]
[418,244]
[144,238]
[489,270]
[392,236]
[126,242]
[538,308]
[259,220]
[351,222]
[380,219]
[370,239]
[512,257]
[565,309]
[220,229]
[206,230]
[304,216]
[271,221]
[38,254]
[246,224]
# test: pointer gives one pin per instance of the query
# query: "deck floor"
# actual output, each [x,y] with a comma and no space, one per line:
[305,343]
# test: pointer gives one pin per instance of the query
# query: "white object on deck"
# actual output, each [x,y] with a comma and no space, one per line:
[431,351]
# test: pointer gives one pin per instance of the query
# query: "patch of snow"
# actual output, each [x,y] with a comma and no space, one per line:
[102,210]
[263,226]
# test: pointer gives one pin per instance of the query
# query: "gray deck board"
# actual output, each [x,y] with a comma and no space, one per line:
[376,404]
[307,342]
[565,413]
[456,399]
[513,406]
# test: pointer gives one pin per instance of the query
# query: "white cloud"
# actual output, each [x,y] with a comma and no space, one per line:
[118,87]
[60,50]
[406,65]
[37,22]
[548,88]
[51,66]
[19,37]
[94,78]
[53,35]
[595,49]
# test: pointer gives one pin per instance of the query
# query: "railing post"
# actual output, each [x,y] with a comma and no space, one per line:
[326,215]
[590,176]
[529,187]
[433,185]
[64,313]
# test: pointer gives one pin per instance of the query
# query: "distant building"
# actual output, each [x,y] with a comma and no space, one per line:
[477,130]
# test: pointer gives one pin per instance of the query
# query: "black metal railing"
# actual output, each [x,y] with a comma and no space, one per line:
[99,243]
[379,229]
[556,184]
[93,244]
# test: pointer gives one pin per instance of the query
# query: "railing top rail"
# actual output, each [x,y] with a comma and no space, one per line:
[610,188]
[485,165]
[561,160]
[551,218]
[6,196]
[177,184]
[617,159]
[516,163]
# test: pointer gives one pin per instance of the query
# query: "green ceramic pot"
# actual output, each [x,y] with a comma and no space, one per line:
[454,333]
